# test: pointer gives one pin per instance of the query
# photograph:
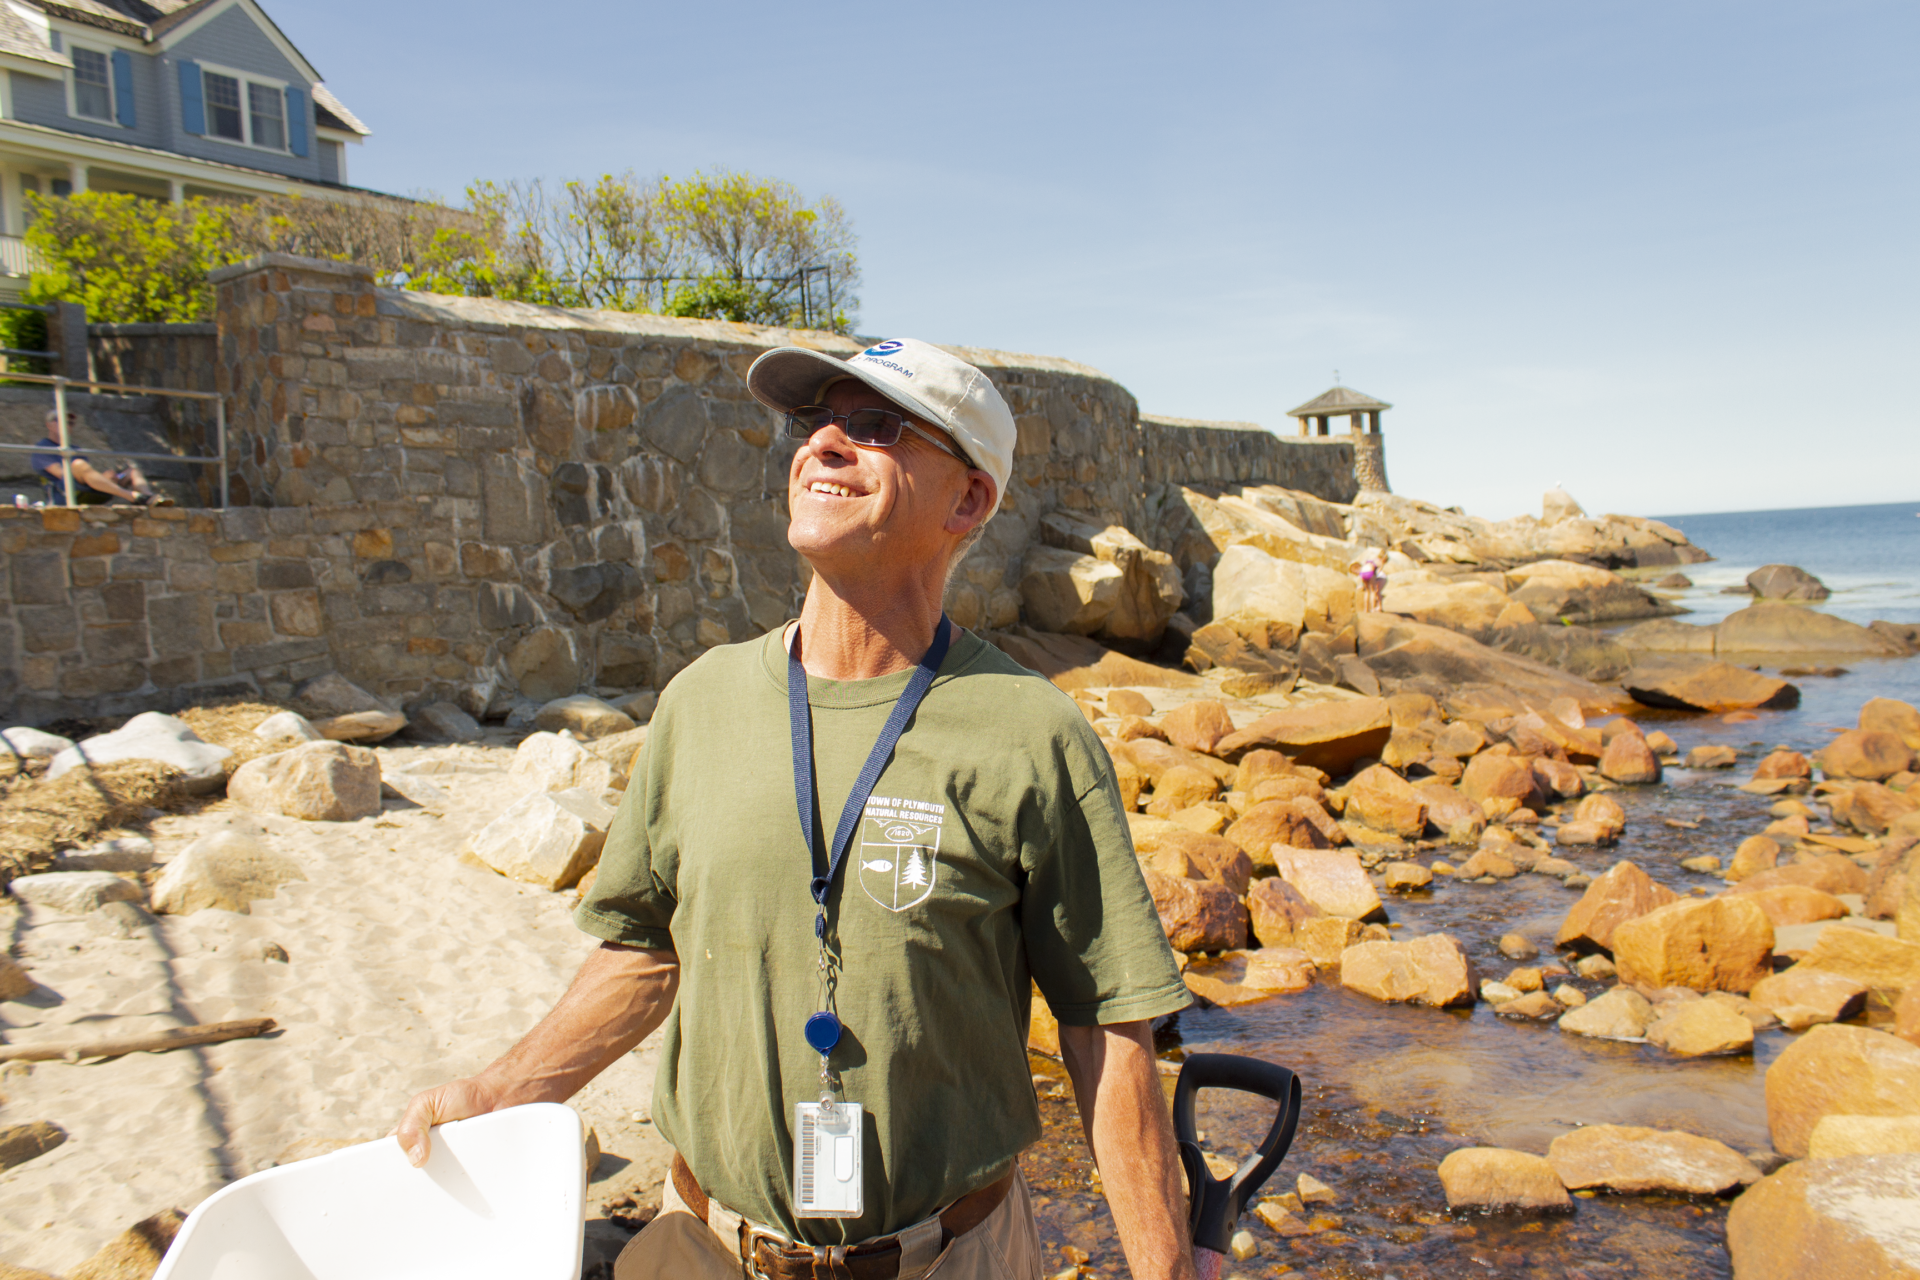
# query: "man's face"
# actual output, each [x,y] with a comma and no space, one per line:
[895,506]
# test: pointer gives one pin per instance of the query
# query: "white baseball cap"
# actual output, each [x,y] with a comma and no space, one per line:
[929,383]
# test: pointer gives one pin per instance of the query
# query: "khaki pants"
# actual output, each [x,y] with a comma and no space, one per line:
[678,1246]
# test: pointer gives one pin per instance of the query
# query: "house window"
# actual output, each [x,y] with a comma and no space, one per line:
[266,109]
[92,85]
[223,108]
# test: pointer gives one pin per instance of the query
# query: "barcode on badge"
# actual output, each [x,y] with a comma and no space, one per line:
[826,1160]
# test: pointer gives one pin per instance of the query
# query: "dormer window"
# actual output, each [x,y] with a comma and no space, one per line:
[266,115]
[223,107]
[92,85]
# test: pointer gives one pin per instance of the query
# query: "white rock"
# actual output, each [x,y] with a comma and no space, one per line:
[123,853]
[548,838]
[345,712]
[444,720]
[34,744]
[316,782]
[585,715]
[156,737]
[417,789]
[1248,580]
[224,869]
[638,706]
[549,762]
[287,724]
[362,726]
[74,892]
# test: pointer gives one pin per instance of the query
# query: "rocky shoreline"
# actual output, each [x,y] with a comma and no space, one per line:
[1447,817]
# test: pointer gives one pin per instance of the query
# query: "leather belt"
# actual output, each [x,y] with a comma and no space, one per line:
[876,1259]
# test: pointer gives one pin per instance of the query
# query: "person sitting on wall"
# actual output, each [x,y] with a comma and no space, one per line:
[91,485]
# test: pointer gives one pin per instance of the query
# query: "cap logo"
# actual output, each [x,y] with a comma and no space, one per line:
[879,352]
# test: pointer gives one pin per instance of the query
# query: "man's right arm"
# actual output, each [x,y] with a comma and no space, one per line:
[94,478]
[616,1000]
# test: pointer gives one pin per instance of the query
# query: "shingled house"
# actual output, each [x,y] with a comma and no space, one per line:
[162,98]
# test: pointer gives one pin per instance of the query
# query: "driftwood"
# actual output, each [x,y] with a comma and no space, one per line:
[152,1042]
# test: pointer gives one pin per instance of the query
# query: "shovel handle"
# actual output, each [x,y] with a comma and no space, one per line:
[1216,1203]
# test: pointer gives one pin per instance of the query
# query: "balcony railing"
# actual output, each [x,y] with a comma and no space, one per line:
[15,258]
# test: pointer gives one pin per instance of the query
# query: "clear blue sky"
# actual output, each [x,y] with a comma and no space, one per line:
[1664,253]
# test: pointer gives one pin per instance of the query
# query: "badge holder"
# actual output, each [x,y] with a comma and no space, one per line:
[826,1139]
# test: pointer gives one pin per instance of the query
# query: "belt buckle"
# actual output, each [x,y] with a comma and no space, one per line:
[751,1234]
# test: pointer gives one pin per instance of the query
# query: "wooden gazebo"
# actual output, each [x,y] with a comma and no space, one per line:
[1361,411]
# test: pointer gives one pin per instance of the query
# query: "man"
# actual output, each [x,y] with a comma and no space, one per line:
[985,850]
[91,485]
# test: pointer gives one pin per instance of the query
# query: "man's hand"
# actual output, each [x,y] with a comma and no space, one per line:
[616,1000]
[1129,1128]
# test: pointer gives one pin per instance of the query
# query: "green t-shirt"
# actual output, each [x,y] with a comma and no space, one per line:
[993,854]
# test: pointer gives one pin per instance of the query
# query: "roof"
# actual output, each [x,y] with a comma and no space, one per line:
[23,40]
[1337,401]
[331,113]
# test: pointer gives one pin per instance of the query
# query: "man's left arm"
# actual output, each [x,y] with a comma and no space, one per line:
[1129,1128]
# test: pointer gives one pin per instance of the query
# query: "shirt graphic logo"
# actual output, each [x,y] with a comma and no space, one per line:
[900,851]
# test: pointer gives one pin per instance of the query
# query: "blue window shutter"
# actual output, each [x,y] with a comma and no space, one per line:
[193,105]
[123,87]
[296,120]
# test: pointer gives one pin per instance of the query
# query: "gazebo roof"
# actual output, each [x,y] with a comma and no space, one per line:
[1336,402]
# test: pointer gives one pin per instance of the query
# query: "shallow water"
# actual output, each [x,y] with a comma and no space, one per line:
[1393,1088]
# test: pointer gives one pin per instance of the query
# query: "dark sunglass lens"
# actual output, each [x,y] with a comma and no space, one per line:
[806,419]
[873,427]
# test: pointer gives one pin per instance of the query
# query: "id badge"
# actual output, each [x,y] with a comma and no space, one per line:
[826,1164]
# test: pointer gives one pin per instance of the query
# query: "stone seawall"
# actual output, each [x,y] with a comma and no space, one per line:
[472,499]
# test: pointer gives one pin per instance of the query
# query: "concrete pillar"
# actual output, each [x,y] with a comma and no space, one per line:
[67,339]
[77,175]
[1373,422]
[176,191]
[1356,423]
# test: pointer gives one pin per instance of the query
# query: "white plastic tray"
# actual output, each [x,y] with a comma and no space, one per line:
[500,1197]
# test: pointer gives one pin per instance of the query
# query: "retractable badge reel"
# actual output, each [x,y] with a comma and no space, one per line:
[826,1134]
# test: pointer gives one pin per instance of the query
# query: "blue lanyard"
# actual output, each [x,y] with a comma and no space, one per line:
[805,793]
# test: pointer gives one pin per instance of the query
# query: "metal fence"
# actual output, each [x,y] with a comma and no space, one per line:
[67,452]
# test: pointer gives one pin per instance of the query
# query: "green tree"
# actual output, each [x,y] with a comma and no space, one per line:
[730,230]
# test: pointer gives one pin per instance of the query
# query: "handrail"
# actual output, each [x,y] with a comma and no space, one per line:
[67,452]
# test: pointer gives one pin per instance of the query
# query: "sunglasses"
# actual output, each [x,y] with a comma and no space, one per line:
[874,428]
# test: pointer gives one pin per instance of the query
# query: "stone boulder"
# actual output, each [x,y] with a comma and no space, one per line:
[1246,976]
[588,717]
[1296,593]
[1278,911]
[1700,1029]
[1839,1070]
[1604,812]
[1197,915]
[1490,1178]
[1873,959]
[1149,591]
[1629,761]
[1627,1158]
[447,722]
[1468,606]
[156,737]
[343,711]
[1890,715]
[1619,1014]
[1790,904]
[1704,944]
[1802,998]
[1863,753]
[32,744]
[1197,726]
[548,838]
[1838,1136]
[1329,736]
[1563,592]
[1707,686]
[1296,823]
[1754,855]
[1460,819]
[1432,970]
[1846,1219]
[1069,593]
[1194,855]
[1664,635]
[1499,784]
[74,892]
[1712,755]
[1397,648]
[1075,662]
[1623,893]
[1182,787]
[548,762]
[1556,504]
[225,870]
[316,782]
[1786,582]
[1384,801]
[1771,627]
[1829,873]
[1331,879]
[287,724]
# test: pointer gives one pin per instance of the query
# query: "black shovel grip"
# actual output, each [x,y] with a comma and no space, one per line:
[1217,1204]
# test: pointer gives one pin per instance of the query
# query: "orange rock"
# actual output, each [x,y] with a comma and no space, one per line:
[1326,735]
[1133,728]
[1603,810]
[1128,702]
[1197,915]
[1196,856]
[1385,801]
[1499,784]
[1629,760]
[1829,873]
[1557,778]
[1278,911]
[1043,1029]
[1486,862]
[1623,893]
[1704,944]
[1906,1015]
[1811,1221]
[1882,963]
[1797,904]
[1432,969]
[1839,1070]
[1871,807]
[1197,726]
[1864,753]
[1802,998]
[1783,764]
[1755,854]
[1494,1178]
[1288,788]
[1181,787]
[1257,766]
[1461,739]
[1628,1158]
[1889,715]
[1280,822]
[1454,814]
[1330,879]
